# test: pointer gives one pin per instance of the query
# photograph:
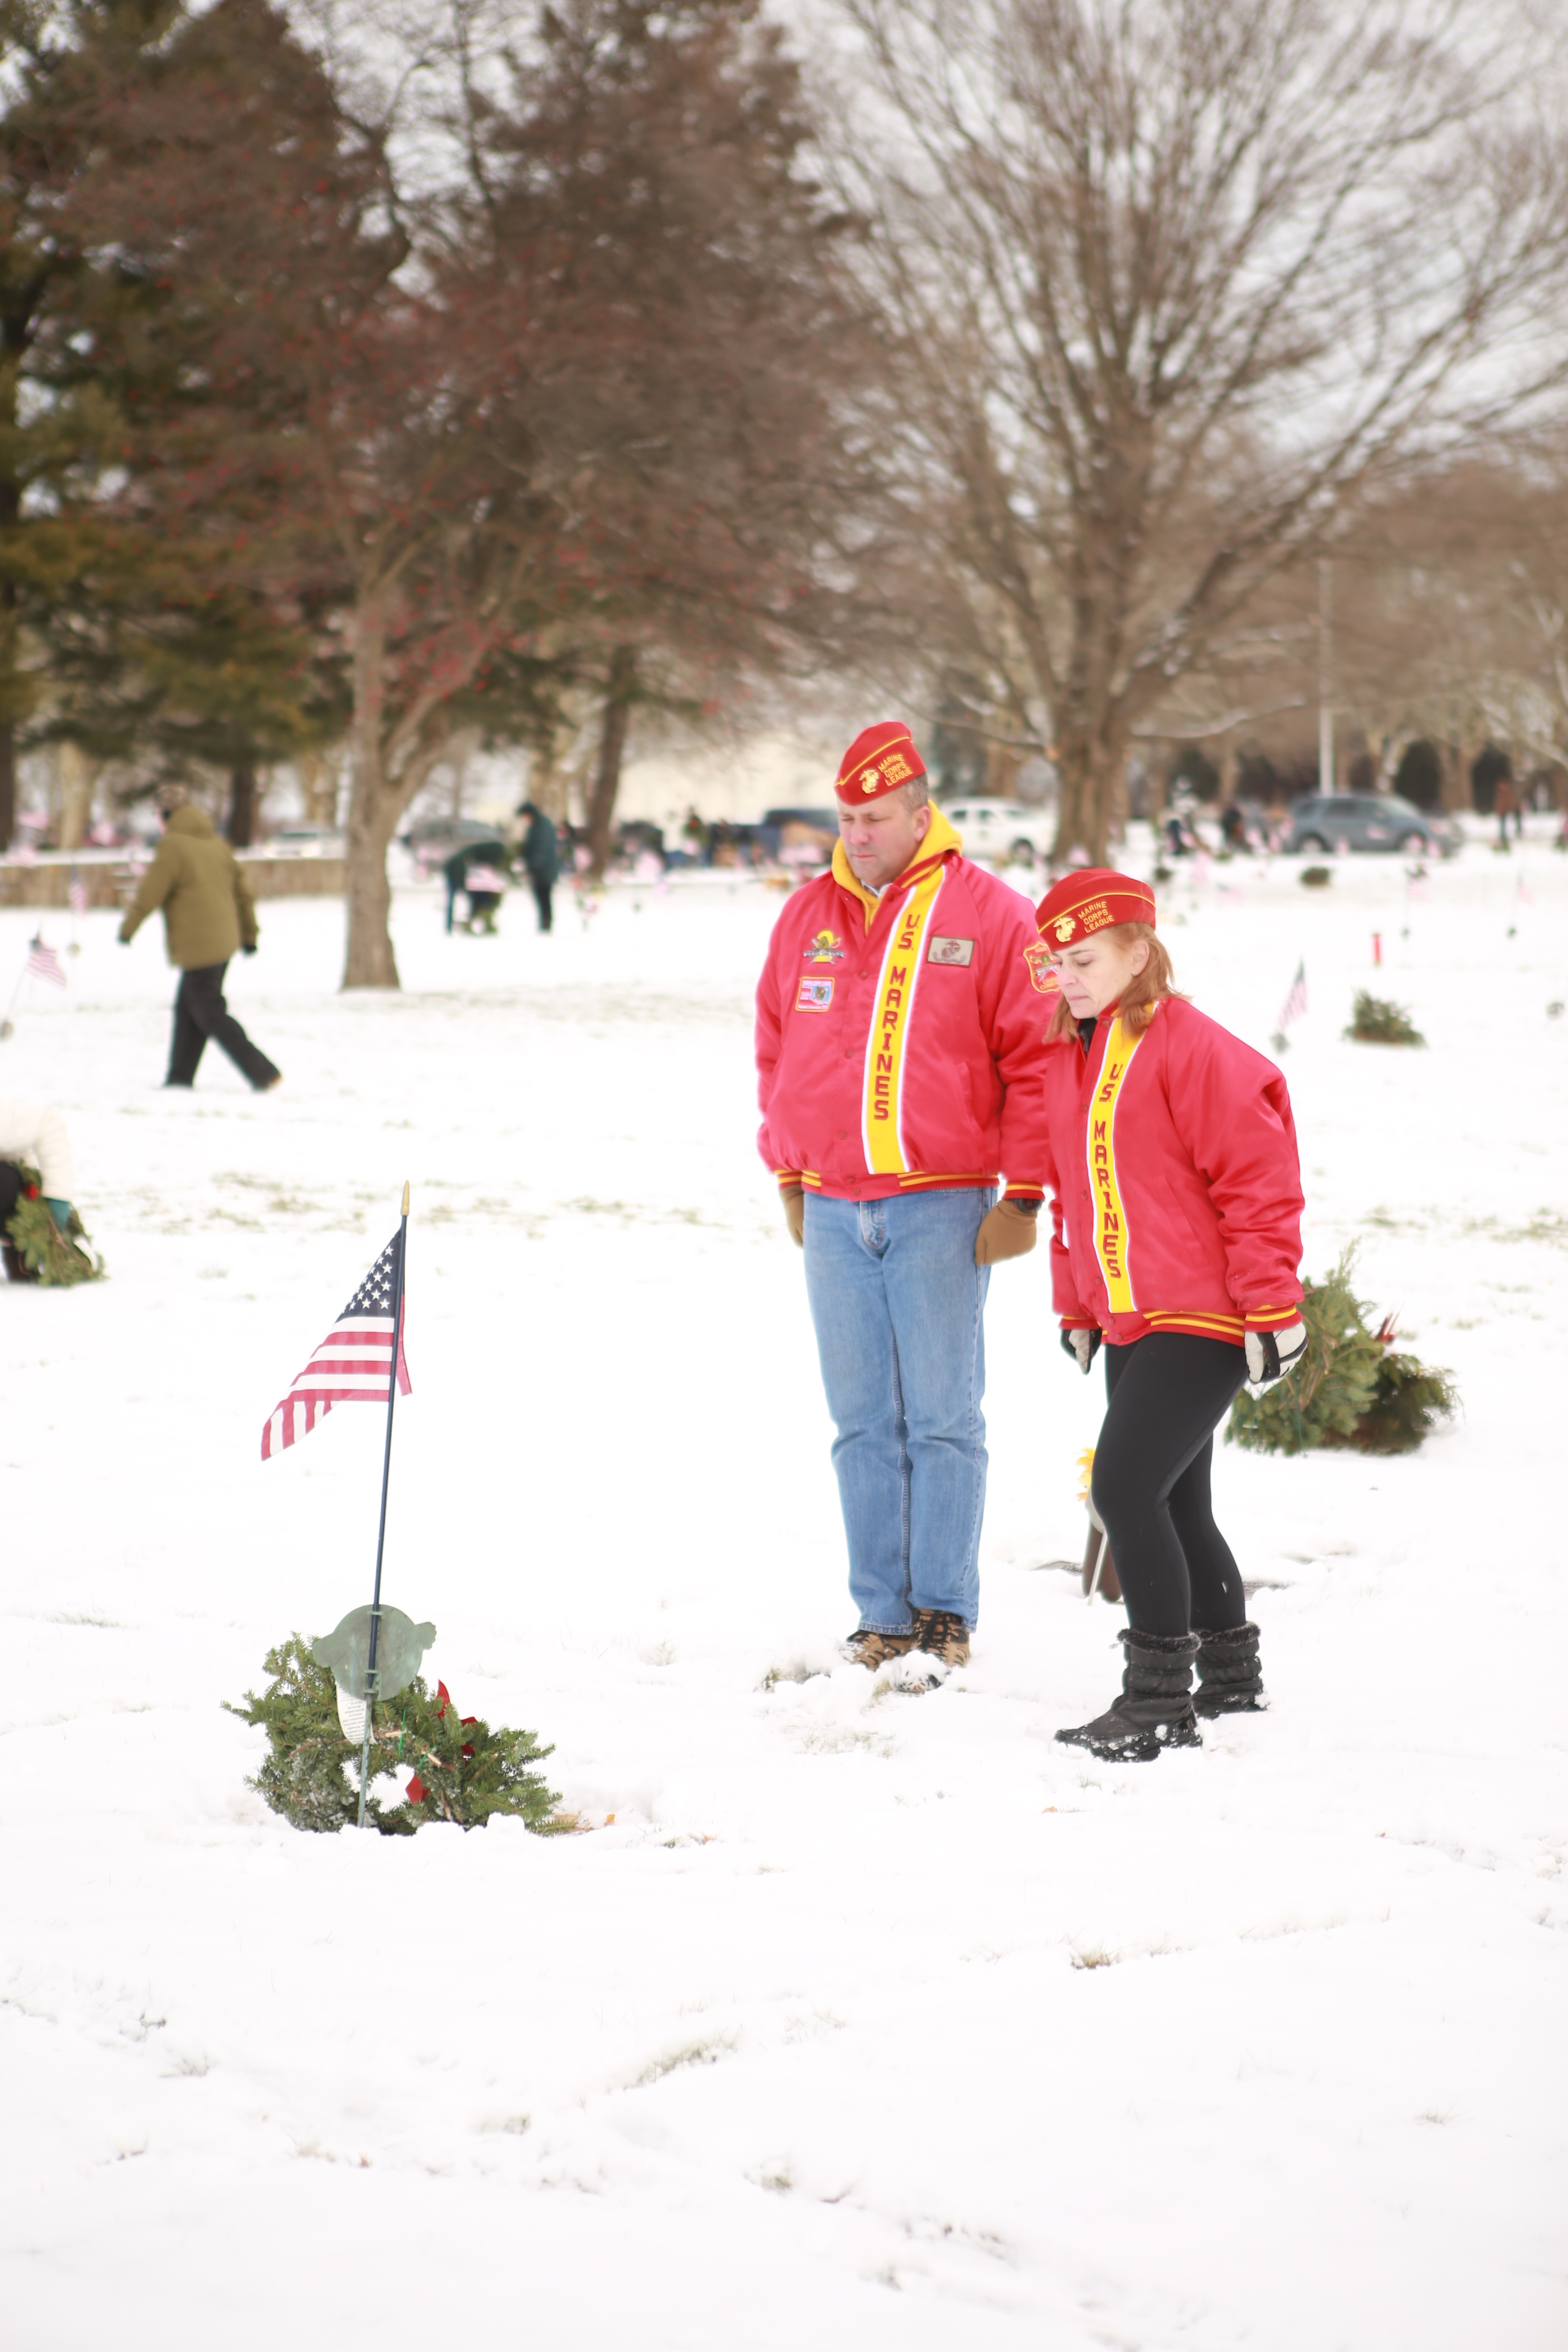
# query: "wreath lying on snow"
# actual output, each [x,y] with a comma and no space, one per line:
[1350,1388]
[49,1255]
[460,1771]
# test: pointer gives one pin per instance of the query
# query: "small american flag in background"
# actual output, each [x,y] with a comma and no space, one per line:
[45,963]
[1295,1005]
[76,894]
[354,1364]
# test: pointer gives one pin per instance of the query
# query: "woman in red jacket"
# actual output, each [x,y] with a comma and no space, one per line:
[1176,1238]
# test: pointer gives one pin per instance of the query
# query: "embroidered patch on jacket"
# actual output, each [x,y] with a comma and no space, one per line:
[825,948]
[816,996]
[1038,956]
[950,952]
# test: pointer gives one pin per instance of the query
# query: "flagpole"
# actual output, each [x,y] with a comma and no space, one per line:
[5,1025]
[381,1532]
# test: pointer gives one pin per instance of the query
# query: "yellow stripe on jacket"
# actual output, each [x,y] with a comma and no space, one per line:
[1111,1238]
[881,1117]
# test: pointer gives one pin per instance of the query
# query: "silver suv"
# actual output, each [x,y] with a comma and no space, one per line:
[1372,821]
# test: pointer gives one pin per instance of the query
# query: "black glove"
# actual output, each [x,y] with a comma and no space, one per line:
[1082,1347]
[250,949]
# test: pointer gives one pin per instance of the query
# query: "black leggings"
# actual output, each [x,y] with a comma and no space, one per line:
[1166,1394]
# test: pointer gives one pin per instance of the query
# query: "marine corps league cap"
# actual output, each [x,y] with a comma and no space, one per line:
[880,760]
[1090,900]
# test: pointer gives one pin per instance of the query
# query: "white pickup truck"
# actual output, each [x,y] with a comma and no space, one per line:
[994,830]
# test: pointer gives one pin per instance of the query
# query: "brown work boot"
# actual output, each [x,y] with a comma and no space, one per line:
[871,1649]
[942,1635]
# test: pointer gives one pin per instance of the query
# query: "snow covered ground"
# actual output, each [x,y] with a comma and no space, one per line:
[869,2022]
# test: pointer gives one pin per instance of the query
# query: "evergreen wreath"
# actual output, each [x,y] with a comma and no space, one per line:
[49,1256]
[1349,1389]
[462,1771]
[1375,1020]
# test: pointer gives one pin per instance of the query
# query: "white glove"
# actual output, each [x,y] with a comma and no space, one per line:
[1271,1354]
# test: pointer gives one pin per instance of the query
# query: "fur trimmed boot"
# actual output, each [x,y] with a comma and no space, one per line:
[1230,1680]
[1154,1710]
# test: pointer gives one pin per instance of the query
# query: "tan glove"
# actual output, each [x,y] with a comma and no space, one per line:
[1008,1231]
[793,1198]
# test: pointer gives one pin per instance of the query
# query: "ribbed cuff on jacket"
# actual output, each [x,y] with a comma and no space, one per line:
[1272,1318]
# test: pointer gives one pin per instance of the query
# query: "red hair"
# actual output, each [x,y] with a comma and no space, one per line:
[1144,992]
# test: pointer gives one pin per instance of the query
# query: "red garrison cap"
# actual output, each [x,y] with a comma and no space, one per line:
[1090,900]
[880,760]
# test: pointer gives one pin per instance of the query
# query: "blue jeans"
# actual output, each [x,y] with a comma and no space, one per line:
[897,1301]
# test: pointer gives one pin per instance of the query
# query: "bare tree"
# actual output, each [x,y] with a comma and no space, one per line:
[1172,286]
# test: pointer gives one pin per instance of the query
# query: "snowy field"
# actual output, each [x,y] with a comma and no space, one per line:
[851,2019]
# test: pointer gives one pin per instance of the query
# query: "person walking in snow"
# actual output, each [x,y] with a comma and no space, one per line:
[32,1136]
[899,1018]
[208,917]
[1176,1240]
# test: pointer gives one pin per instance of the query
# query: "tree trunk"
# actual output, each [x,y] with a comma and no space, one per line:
[78,777]
[8,786]
[368,959]
[1456,791]
[319,783]
[612,746]
[1091,759]
[241,806]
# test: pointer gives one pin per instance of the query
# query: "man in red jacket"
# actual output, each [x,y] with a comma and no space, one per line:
[899,1019]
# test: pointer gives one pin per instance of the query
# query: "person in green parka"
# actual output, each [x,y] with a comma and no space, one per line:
[208,917]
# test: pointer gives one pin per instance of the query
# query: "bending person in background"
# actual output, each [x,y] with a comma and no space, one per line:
[1176,1239]
[208,915]
[477,872]
[33,1137]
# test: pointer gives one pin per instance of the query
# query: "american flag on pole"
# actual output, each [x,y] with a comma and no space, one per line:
[1295,1005]
[354,1364]
[44,964]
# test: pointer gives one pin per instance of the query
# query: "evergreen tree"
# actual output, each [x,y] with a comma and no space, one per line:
[64,68]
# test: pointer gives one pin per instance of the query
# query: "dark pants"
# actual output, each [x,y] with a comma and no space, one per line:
[541,900]
[1166,1394]
[199,1013]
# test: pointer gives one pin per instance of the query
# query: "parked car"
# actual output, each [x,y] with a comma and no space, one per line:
[798,836]
[999,829]
[306,841]
[434,838]
[1372,821]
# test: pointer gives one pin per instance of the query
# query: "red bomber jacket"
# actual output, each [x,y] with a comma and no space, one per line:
[1177,1186]
[900,1038]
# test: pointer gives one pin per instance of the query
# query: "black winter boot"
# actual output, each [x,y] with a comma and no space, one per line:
[1153,1711]
[1230,1680]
